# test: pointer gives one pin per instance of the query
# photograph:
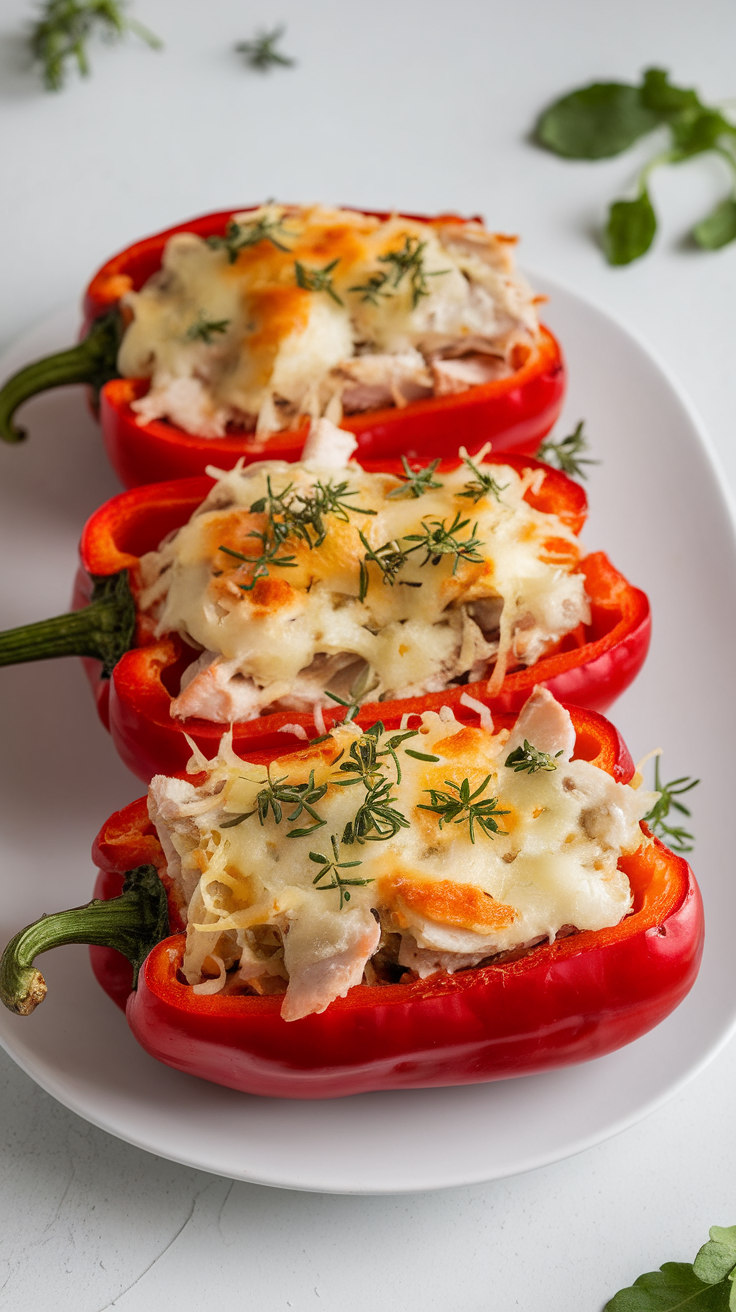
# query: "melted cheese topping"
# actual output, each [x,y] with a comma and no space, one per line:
[264,913]
[328,619]
[388,311]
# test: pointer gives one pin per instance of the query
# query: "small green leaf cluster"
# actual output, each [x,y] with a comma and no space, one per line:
[675,836]
[530,760]
[463,807]
[705,1285]
[317,280]
[568,453]
[276,795]
[333,869]
[605,118]
[261,53]
[435,539]
[407,262]
[239,236]
[64,27]
[203,329]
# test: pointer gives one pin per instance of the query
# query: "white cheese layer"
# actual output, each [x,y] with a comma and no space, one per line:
[271,907]
[329,618]
[330,310]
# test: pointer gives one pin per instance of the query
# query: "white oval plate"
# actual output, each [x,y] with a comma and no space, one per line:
[659,509]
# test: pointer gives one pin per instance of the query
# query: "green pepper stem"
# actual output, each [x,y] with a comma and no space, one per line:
[93,361]
[104,629]
[133,923]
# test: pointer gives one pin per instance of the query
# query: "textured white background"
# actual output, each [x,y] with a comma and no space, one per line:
[423,107]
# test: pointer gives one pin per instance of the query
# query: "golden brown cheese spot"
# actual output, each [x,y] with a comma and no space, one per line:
[445,902]
[299,763]
[469,744]
[270,594]
[277,312]
[558,551]
[232,529]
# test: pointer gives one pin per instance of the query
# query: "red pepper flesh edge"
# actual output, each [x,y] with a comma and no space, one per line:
[589,669]
[563,1003]
[515,413]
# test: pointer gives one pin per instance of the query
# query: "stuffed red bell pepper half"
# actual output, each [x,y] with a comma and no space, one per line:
[219,340]
[446,904]
[277,596]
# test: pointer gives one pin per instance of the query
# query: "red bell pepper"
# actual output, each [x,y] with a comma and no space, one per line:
[566,1002]
[591,667]
[515,413]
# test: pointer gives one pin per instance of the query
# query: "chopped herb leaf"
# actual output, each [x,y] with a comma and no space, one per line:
[410,261]
[333,868]
[317,280]
[416,481]
[261,52]
[239,236]
[482,485]
[530,759]
[203,328]
[276,795]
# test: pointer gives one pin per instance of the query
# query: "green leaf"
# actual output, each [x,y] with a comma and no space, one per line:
[717,1258]
[661,97]
[675,1286]
[697,130]
[719,228]
[631,228]
[596,122]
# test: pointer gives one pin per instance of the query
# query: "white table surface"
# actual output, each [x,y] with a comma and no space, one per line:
[423,107]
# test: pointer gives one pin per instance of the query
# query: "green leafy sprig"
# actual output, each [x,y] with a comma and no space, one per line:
[416,481]
[377,818]
[64,27]
[530,759]
[675,836]
[568,453]
[202,329]
[706,1285]
[276,795]
[461,807]
[239,236]
[435,539]
[261,53]
[409,262]
[483,485]
[605,118]
[333,868]
[374,287]
[317,280]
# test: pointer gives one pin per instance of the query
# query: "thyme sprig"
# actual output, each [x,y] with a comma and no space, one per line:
[436,540]
[373,288]
[64,27]
[299,513]
[239,236]
[567,454]
[416,481]
[260,563]
[462,808]
[202,329]
[675,836]
[409,261]
[333,868]
[530,759]
[276,795]
[483,485]
[317,280]
[377,817]
[261,52]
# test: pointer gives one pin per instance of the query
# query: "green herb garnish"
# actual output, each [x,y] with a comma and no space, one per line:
[482,485]
[333,868]
[416,481]
[436,540]
[675,836]
[261,52]
[262,563]
[317,280]
[409,261]
[276,795]
[239,236]
[567,454]
[605,118]
[390,559]
[202,329]
[462,808]
[373,288]
[530,759]
[62,31]
[706,1285]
